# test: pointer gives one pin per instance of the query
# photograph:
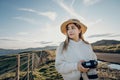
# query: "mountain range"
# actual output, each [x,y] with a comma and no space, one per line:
[16,51]
[106,43]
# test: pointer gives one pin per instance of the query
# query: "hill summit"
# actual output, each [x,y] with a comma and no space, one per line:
[106,42]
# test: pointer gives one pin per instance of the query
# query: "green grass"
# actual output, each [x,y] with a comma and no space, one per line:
[48,72]
[107,49]
[45,71]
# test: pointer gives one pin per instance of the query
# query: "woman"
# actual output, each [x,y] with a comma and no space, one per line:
[73,52]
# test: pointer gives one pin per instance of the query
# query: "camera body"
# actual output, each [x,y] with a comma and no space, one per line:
[90,64]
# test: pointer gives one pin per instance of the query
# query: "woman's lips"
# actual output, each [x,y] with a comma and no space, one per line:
[71,34]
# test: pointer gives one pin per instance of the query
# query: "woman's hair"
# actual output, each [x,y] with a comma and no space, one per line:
[66,42]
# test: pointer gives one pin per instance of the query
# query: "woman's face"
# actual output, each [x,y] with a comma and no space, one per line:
[73,31]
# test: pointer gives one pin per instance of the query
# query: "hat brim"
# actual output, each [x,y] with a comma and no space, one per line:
[63,26]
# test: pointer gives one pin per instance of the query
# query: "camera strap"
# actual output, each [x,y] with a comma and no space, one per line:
[95,76]
[81,78]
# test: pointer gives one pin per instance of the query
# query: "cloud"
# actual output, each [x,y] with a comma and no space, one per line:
[50,14]
[5,39]
[116,35]
[73,1]
[104,35]
[95,22]
[90,2]
[73,13]
[27,9]
[69,9]
[44,42]
[22,33]
[29,20]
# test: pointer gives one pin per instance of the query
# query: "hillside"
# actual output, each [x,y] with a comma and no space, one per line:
[8,63]
[107,46]
[16,51]
[106,43]
[44,67]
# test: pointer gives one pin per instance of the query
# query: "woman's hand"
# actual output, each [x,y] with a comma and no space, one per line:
[81,68]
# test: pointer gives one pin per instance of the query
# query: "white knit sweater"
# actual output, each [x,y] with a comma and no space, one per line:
[66,62]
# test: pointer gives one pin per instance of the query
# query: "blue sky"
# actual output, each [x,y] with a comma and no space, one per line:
[36,23]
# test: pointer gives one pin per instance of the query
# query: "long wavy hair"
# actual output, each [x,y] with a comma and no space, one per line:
[66,42]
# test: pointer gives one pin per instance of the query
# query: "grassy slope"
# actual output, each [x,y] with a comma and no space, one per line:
[47,72]
[107,48]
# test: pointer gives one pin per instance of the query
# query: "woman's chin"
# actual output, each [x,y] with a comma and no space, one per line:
[71,37]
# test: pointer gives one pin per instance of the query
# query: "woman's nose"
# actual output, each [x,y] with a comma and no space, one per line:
[70,31]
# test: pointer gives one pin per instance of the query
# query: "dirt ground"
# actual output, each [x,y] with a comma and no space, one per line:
[114,58]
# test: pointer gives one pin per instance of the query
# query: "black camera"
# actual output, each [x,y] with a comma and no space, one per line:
[90,64]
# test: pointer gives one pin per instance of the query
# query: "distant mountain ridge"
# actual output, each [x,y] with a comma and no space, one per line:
[97,43]
[105,42]
[107,46]
[16,51]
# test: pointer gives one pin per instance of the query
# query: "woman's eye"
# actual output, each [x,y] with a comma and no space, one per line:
[68,28]
[72,27]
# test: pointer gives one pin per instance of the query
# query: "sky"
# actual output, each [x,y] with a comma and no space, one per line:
[36,23]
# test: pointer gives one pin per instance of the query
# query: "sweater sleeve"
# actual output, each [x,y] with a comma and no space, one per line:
[92,71]
[61,65]
[93,53]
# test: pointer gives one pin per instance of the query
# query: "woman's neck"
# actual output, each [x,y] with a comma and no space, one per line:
[76,40]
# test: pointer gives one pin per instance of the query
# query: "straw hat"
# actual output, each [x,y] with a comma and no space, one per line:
[63,26]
